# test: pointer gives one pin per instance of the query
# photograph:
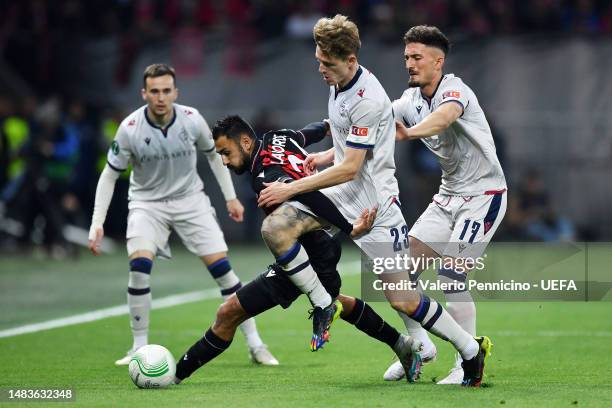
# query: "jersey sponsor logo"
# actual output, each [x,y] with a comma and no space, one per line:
[131,122]
[451,94]
[361,92]
[418,108]
[359,131]
[115,147]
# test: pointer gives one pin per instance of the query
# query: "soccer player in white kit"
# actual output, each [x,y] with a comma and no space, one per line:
[363,176]
[161,141]
[443,112]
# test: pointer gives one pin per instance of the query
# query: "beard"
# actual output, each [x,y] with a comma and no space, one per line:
[413,83]
[245,162]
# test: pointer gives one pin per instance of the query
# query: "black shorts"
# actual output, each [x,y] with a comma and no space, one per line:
[273,288]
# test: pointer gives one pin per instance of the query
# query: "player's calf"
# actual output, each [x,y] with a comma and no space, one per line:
[216,340]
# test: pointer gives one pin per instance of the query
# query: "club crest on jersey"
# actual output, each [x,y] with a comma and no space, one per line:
[188,112]
[418,108]
[359,131]
[451,94]
[131,122]
[343,109]
[361,92]
[147,140]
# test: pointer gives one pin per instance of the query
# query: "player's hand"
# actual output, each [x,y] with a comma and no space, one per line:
[274,194]
[235,210]
[316,160]
[95,240]
[364,223]
[401,132]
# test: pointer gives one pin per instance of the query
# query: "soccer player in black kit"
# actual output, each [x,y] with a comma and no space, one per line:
[278,156]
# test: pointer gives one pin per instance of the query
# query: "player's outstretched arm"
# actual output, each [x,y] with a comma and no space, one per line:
[433,124]
[104,195]
[276,193]
[235,209]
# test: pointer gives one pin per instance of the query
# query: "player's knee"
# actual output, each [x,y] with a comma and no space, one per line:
[405,306]
[273,231]
[231,313]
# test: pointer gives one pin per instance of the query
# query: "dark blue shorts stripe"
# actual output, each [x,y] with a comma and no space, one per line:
[297,268]
[219,268]
[290,255]
[138,292]
[229,291]
[143,265]
[491,216]
[449,273]
[434,318]
[421,311]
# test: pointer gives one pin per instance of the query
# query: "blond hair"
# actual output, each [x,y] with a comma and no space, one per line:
[337,37]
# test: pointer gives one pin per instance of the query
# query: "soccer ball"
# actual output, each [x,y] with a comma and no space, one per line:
[152,366]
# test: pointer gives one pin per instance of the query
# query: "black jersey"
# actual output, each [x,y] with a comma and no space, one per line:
[279,156]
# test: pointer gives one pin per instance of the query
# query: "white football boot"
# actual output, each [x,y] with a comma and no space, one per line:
[125,360]
[261,355]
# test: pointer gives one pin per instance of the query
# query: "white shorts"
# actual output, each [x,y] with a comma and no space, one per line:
[460,226]
[192,217]
[388,236]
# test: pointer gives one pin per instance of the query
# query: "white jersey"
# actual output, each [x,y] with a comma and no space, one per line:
[465,150]
[163,161]
[361,117]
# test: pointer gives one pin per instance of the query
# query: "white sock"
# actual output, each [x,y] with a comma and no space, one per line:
[229,284]
[139,305]
[296,265]
[417,331]
[436,320]
[459,304]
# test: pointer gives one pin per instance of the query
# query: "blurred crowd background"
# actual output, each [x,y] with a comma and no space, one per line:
[70,71]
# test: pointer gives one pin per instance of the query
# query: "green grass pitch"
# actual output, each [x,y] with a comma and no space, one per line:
[546,354]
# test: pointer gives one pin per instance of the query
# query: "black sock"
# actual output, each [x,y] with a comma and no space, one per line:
[370,322]
[204,350]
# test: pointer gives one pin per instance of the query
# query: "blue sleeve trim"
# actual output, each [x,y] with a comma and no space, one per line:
[115,168]
[359,145]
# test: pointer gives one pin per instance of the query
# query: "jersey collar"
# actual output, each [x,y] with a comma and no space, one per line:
[163,130]
[351,82]
[428,100]
[255,152]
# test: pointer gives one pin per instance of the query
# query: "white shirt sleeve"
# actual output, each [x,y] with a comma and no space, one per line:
[452,90]
[119,153]
[206,144]
[365,119]
[104,195]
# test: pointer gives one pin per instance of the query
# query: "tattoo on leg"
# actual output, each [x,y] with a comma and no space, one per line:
[284,226]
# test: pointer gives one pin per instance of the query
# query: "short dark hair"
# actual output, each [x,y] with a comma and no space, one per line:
[428,35]
[157,70]
[232,127]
